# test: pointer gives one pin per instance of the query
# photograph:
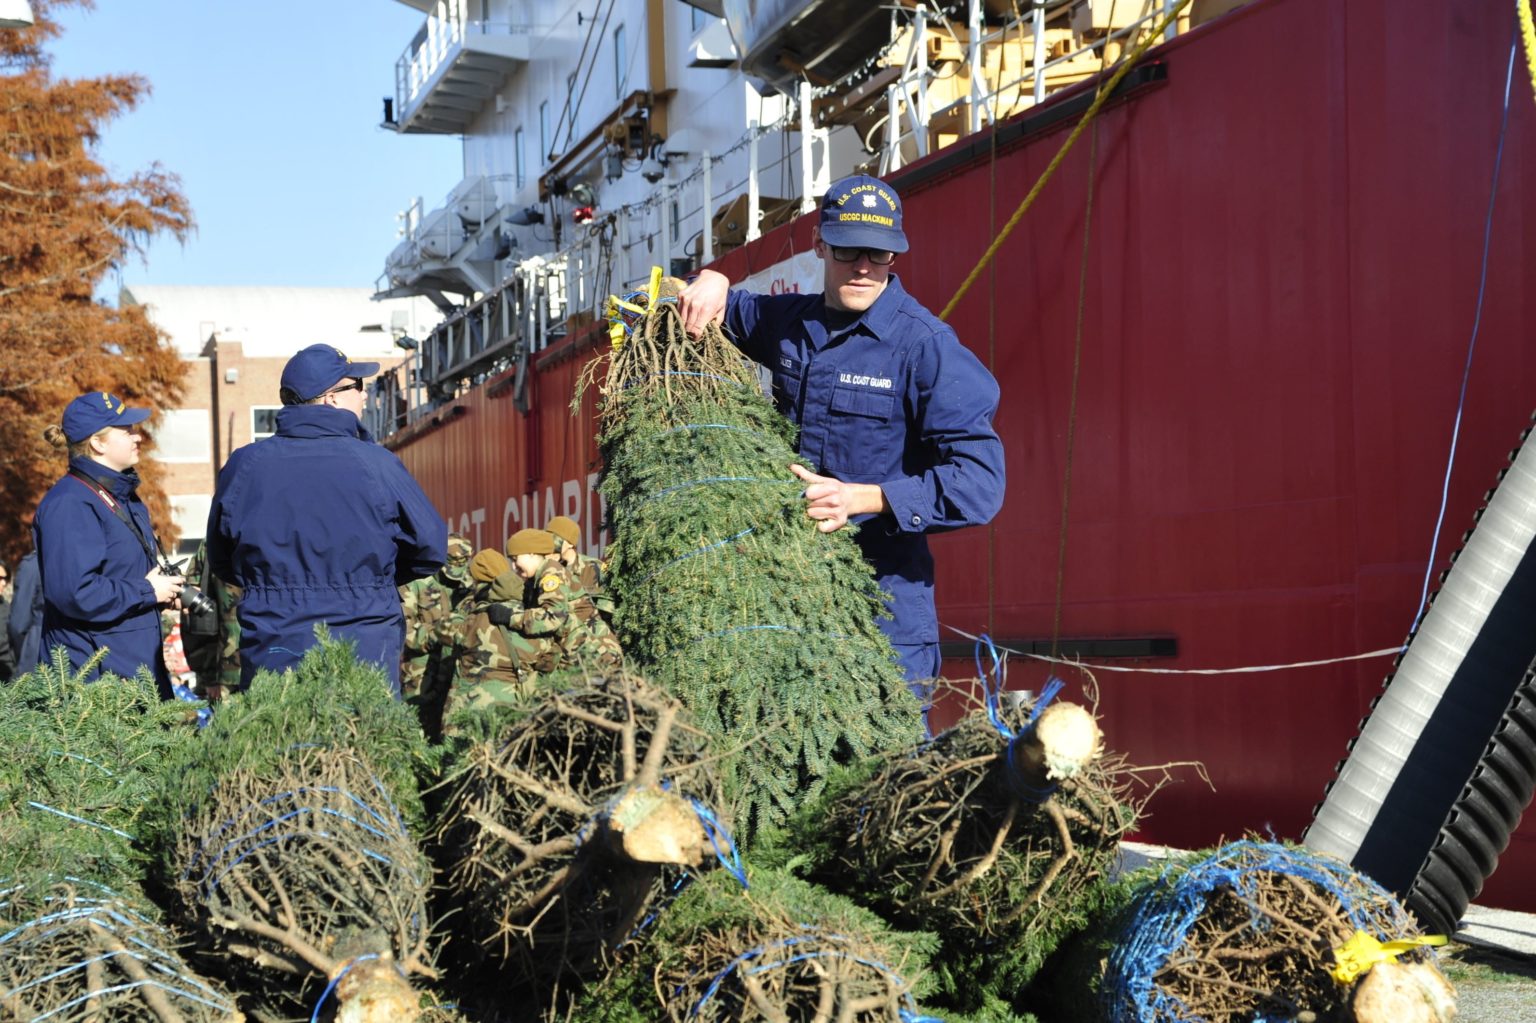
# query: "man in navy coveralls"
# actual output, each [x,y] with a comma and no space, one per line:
[893,411]
[317,523]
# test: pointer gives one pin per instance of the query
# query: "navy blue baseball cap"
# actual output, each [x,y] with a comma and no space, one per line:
[90,413]
[319,368]
[861,212]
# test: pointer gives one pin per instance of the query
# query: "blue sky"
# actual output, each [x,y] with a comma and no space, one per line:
[270,114]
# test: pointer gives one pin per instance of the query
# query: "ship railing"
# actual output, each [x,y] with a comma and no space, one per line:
[912,116]
[672,227]
[446,29]
[521,317]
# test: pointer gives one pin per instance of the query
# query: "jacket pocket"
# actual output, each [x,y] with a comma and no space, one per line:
[864,436]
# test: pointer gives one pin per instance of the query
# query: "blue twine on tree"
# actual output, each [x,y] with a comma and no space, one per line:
[992,684]
[83,759]
[104,915]
[702,550]
[315,1016]
[908,1014]
[711,481]
[728,856]
[734,630]
[1016,779]
[79,820]
[684,373]
[210,864]
[1162,916]
[705,426]
[992,681]
[329,789]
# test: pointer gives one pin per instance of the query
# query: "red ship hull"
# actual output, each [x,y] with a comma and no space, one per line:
[1242,447]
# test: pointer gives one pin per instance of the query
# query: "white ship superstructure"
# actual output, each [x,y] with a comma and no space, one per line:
[606,137]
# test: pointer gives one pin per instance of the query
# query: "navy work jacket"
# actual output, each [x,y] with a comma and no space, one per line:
[92,568]
[893,399]
[320,524]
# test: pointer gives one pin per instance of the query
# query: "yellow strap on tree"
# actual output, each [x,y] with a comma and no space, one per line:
[653,287]
[1362,951]
[1528,32]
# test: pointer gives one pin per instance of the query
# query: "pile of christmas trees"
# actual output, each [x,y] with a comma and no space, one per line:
[747,825]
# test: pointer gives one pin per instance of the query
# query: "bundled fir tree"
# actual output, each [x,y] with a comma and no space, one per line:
[728,595]
[290,839]
[1255,930]
[782,949]
[79,940]
[995,835]
[569,818]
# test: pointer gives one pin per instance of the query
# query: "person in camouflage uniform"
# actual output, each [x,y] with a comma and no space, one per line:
[562,610]
[493,663]
[586,570]
[426,601]
[211,642]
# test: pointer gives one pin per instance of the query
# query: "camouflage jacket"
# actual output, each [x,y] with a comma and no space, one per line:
[566,613]
[494,663]
[426,602]
[589,572]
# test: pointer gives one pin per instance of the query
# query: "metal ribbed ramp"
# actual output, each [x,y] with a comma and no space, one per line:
[1445,763]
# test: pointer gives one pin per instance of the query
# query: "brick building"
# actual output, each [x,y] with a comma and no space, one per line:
[234,341]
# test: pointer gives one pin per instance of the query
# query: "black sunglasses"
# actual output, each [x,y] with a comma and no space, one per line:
[355,385]
[879,257]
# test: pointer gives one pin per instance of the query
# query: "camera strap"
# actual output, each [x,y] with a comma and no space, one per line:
[121,512]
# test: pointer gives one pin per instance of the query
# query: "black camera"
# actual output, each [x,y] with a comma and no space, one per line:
[193,600]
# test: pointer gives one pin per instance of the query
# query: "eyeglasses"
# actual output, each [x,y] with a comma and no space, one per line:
[355,385]
[879,257]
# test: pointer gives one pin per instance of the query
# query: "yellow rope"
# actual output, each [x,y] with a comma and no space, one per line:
[1528,31]
[1029,200]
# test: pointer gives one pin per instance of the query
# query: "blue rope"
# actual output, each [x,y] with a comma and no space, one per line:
[705,426]
[315,1016]
[728,856]
[992,684]
[104,914]
[710,481]
[1163,915]
[329,789]
[1477,322]
[80,820]
[684,373]
[908,1014]
[213,876]
[693,554]
[762,628]
[87,760]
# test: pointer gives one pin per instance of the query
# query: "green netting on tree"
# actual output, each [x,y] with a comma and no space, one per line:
[781,950]
[76,951]
[566,825]
[290,839]
[728,595]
